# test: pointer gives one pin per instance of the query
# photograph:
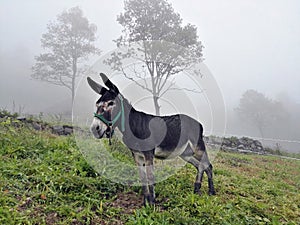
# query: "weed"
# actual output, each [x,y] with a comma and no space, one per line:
[44,179]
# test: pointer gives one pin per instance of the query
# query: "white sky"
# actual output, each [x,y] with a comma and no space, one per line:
[249,44]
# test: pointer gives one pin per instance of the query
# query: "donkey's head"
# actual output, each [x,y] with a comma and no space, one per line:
[109,108]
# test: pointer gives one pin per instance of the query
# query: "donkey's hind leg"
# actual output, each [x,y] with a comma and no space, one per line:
[201,155]
[189,156]
[198,158]
[208,169]
[211,188]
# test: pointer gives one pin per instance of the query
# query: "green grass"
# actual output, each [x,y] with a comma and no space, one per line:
[44,179]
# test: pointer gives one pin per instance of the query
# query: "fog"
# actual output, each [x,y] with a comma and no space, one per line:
[248,45]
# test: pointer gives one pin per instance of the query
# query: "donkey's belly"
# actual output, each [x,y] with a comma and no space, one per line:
[162,153]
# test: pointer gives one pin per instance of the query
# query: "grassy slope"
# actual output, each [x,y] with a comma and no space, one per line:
[45,180]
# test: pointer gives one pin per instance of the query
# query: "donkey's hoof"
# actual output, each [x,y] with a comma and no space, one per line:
[197,187]
[197,192]
[213,192]
[149,200]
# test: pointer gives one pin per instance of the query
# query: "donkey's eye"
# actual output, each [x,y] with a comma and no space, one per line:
[110,104]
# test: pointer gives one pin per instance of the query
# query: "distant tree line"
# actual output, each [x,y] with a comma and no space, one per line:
[272,118]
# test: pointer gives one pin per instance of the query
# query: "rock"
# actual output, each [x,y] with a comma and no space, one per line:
[68,130]
[62,130]
[241,146]
[258,144]
[244,141]
[36,126]
[59,130]
[21,118]
[226,143]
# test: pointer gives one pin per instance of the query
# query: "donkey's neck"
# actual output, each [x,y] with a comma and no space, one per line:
[135,121]
[128,108]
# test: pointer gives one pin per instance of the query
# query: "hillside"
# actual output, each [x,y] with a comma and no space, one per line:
[45,180]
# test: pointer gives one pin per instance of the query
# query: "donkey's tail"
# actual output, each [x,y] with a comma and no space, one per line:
[201,142]
[201,145]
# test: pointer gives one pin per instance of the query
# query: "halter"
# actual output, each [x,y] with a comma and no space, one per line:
[111,123]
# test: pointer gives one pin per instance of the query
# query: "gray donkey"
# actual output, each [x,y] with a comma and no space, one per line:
[149,136]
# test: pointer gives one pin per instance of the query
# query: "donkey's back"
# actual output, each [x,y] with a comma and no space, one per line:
[183,134]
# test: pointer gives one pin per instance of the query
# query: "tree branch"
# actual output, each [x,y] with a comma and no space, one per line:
[137,83]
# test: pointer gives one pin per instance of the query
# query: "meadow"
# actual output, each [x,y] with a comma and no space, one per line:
[44,179]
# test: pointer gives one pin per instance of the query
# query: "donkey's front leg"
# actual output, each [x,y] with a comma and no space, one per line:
[144,162]
[150,197]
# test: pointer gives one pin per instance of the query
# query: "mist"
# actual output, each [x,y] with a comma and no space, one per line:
[248,45]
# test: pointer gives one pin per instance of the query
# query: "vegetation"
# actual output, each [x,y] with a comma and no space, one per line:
[45,180]
[282,153]
[68,41]
[159,45]
[260,111]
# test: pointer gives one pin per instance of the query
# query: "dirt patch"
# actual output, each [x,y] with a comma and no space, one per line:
[127,202]
[52,218]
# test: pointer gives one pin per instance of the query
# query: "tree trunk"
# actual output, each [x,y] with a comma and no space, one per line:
[74,68]
[156,105]
[73,90]
[151,68]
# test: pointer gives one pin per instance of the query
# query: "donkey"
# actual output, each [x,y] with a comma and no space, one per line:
[149,136]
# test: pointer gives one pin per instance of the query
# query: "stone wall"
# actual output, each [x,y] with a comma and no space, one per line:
[39,125]
[243,144]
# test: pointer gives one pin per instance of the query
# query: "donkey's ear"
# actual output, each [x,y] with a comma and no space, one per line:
[108,83]
[96,87]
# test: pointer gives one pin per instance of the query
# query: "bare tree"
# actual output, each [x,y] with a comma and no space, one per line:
[69,41]
[156,39]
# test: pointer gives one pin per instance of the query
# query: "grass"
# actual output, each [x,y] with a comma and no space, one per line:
[44,179]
